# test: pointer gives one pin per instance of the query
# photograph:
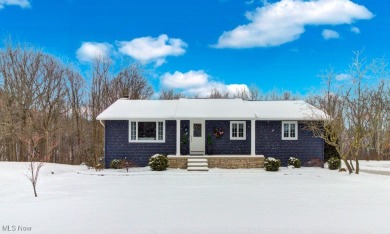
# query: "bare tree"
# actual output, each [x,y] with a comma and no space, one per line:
[254,93]
[218,94]
[357,117]
[99,100]
[276,95]
[33,83]
[105,90]
[378,112]
[75,124]
[170,95]
[331,127]
[130,82]
[35,163]
[20,73]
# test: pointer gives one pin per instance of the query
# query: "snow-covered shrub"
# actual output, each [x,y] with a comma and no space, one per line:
[158,162]
[116,164]
[294,162]
[122,163]
[271,164]
[334,163]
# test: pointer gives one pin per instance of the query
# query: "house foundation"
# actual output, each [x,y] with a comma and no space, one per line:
[220,161]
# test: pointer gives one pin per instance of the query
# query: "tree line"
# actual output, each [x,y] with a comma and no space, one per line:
[48,109]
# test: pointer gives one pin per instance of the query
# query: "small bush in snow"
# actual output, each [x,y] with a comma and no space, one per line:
[158,162]
[334,163]
[294,162]
[315,162]
[116,164]
[271,164]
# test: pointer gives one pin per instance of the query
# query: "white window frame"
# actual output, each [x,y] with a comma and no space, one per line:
[231,130]
[146,141]
[289,124]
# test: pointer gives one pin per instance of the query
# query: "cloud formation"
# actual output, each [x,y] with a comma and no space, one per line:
[197,83]
[282,22]
[152,50]
[21,3]
[330,34]
[89,51]
[179,80]
[355,30]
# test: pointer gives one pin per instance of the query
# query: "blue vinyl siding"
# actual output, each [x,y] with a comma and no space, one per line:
[270,144]
[117,145]
[224,145]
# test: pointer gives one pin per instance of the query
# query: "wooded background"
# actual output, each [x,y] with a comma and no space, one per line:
[48,108]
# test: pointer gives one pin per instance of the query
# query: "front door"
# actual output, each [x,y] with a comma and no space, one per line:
[197,137]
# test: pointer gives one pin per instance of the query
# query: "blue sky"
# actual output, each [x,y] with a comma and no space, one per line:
[193,46]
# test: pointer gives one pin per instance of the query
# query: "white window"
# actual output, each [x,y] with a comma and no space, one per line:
[237,130]
[289,130]
[146,131]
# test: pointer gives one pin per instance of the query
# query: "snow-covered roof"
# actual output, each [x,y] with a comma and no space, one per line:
[124,109]
[285,110]
[212,109]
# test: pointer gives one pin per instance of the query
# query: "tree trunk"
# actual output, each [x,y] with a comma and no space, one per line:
[357,166]
[348,166]
[351,164]
[35,191]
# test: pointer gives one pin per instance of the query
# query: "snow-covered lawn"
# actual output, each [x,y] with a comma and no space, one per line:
[306,200]
[375,165]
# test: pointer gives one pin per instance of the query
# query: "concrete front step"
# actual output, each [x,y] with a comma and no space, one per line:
[197,169]
[198,164]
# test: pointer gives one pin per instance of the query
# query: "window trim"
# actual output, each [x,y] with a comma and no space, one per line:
[289,124]
[146,141]
[231,130]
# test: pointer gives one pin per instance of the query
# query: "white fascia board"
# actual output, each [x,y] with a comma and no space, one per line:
[288,119]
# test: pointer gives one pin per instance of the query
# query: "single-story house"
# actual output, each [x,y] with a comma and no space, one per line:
[225,133]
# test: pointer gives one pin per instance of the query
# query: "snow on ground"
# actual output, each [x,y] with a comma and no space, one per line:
[306,200]
[375,165]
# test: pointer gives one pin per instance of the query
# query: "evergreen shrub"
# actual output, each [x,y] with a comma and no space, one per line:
[271,164]
[334,163]
[158,162]
[294,162]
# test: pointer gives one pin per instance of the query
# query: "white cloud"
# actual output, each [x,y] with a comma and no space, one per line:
[89,51]
[355,30]
[197,83]
[237,88]
[343,76]
[150,49]
[179,80]
[330,34]
[281,22]
[21,3]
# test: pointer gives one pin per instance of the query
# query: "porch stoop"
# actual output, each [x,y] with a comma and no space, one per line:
[197,164]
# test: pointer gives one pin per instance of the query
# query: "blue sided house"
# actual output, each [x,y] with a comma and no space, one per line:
[224,133]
